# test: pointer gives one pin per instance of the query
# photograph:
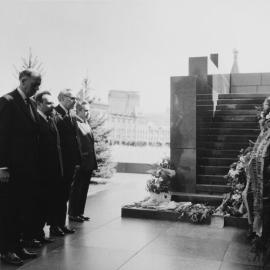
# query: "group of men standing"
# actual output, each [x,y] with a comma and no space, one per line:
[47,157]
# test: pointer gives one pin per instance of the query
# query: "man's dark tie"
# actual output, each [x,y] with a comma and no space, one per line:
[51,123]
[30,109]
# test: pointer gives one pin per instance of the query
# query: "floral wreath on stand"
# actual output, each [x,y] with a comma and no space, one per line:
[246,193]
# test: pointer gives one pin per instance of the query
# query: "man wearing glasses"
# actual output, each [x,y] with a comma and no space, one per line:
[71,156]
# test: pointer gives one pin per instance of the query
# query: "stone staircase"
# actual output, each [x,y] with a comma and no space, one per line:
[220,137]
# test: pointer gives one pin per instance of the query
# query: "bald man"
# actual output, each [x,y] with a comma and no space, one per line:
[18,167]
[67,127]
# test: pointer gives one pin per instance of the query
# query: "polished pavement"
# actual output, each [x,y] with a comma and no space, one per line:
[109,242]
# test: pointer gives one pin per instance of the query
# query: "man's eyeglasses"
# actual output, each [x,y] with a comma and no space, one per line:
[72,98]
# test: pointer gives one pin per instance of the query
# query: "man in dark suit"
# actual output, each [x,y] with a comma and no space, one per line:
[82,178]
[19,133]
[70,150]
[50,166]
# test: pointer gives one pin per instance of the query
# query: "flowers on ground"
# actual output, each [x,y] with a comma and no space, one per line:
[195,213]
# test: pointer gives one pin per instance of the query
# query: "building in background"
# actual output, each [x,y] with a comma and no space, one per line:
[128,125]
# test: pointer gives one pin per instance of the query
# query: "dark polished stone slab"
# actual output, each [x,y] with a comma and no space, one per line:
[241,253]
[71,257]
[144,213]
[198,65]
[236,222]
[166,262]
[206,232]
[108,238]
[244,79]
[184,161]
[183,112]
[188,247]
[149,214]
[239,266]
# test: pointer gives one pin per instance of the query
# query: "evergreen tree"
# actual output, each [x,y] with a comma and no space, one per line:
[31,62]
[101,134]
[102,146]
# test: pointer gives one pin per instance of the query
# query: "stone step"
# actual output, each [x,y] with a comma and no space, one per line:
[247,125]
[197,198]
[204,96]
[203,118]
[204,107]
[241,101]
[213,170]
[205,102]
[219,141]
[235,118]
[223,145]
[205,113]
[213,161]
[229,131]
[206,152]
[209,179]
[212,189]
[236,107]
[226,138]
[235,112]
[244,96]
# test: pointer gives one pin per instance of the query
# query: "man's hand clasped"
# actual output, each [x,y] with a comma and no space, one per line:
[4,175]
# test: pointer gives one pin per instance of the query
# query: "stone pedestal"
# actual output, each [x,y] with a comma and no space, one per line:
[183,132]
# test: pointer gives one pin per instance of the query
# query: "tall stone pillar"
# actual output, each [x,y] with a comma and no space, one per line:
[183,132]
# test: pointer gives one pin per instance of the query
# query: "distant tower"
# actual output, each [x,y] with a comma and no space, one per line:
[235,68]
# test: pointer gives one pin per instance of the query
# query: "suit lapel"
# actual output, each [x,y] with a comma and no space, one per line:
[34,109]
[91,134]
[20,102]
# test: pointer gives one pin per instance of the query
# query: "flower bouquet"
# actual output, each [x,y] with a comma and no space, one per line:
[159,185]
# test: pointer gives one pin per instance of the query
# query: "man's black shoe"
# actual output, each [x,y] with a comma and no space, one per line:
[34,243]
[85,218]
[76,219]
[45,240]
[25,254]
[11,258]
[66,230]
[56,231]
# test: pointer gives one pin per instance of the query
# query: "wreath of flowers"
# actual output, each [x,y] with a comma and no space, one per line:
[232,203]
[161,178]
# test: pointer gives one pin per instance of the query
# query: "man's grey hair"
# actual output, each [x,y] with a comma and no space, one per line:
[63,93]
[79,105]
[39,96]
[29,73]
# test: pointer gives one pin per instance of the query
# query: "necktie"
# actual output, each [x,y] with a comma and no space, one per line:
[49,119]
[29,108]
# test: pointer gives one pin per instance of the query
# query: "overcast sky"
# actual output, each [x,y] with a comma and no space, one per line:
[130,44]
